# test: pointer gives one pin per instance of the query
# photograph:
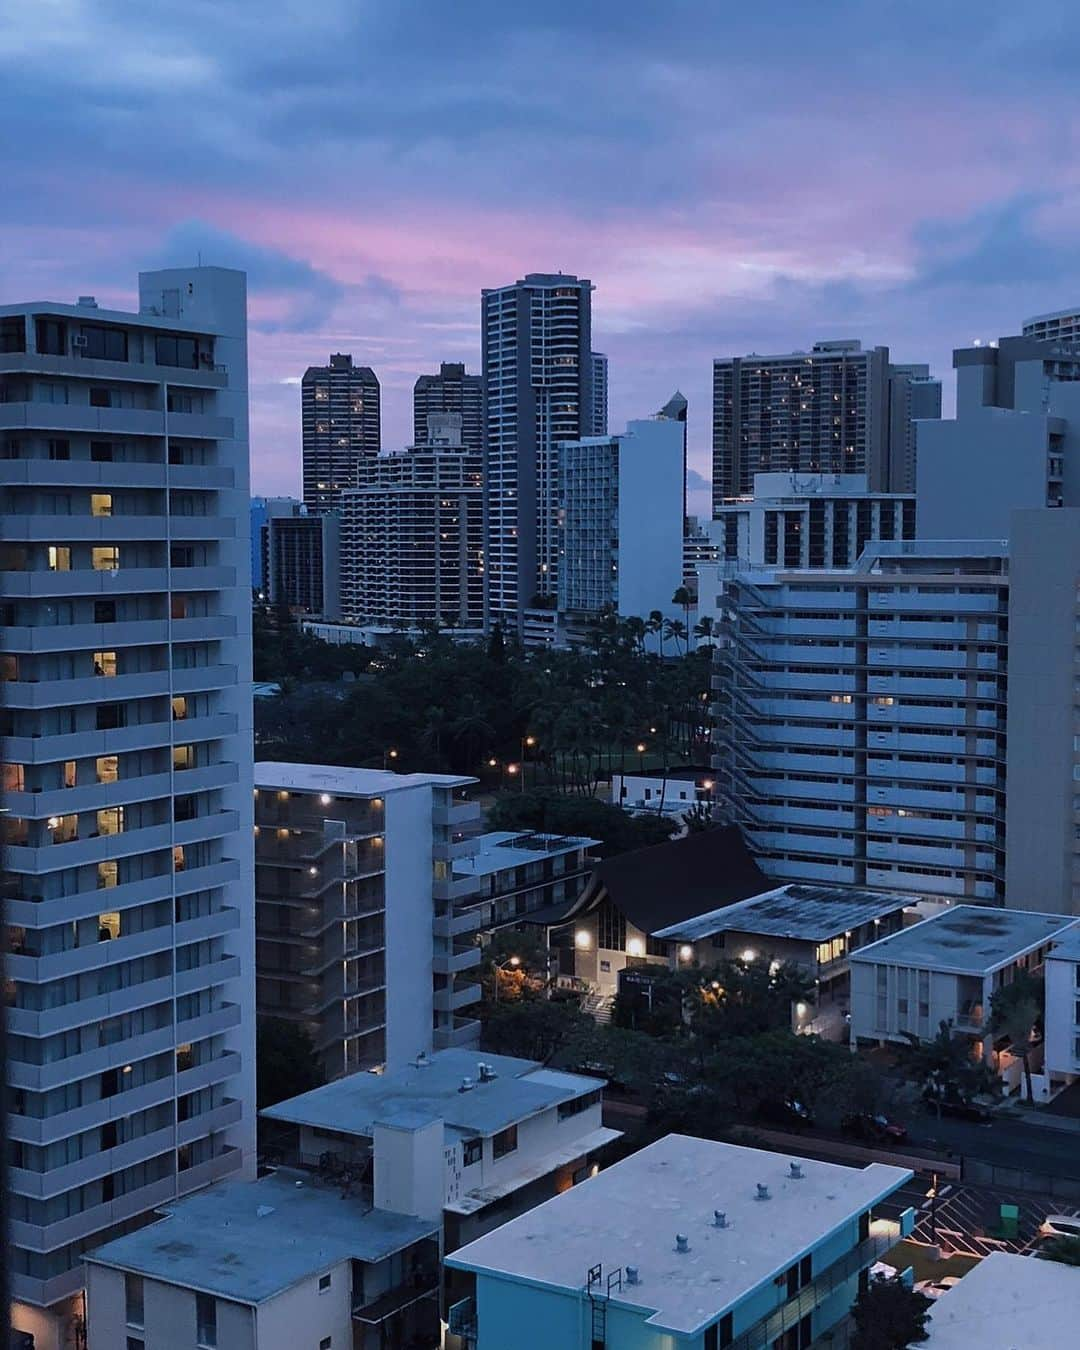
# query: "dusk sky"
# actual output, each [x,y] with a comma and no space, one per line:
[731,177]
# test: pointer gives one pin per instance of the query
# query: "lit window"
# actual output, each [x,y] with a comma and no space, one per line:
[101,503]
[179,708]
[108,926]
[108,768]
[104,558]
[178,857]
[105,663]
[183,757]
[107,874]
[69,773]
[59,558]
[111,820]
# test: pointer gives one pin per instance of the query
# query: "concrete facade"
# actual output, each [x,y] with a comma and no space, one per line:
[451,391]
[126,648]
[356,898]
[1062,1020]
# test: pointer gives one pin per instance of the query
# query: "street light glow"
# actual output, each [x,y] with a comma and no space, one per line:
[641,748]
[511,768]
[686,951]
[325,798]
[582,940]
[635,947]
[749,954]
[515,960]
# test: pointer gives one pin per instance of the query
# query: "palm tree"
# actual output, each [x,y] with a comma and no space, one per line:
[655,624]
[1061,1248]
[1016,1011]
[676,630]
[635,629]
[705,631]
[685,600]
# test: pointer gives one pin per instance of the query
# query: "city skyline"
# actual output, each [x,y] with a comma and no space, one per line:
[724,237]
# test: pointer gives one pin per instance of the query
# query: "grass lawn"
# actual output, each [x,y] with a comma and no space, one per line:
[916,1256]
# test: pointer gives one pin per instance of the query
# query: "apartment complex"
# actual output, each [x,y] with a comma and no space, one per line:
[1061,1022]
[621,520]
[362,936]
[837,409]
[288,1260]
[412,536]
[1061,326]
[688,1243]
[341,425]
[452,390]
[262,509]
[126,723]
[538,382]
[301,560]
[521,872]
[599,394]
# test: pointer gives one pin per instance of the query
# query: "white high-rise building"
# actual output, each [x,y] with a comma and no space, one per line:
[599,394]
[538,383]
[127,767]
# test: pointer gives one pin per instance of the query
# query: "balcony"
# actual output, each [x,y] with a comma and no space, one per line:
[462,956]
[41,527]
[457,814]
[449,923]
[77,366]
[454,887]
[463,1032]
[113,474]
[415,1288]
[460,994]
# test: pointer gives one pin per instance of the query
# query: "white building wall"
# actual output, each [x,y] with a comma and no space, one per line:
[650,517]
[409,940]
[1062,1020]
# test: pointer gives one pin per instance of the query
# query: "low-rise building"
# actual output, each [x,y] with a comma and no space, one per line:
[356,895]
[670,793]
[275,1264]
[815,927]
[476,1141]
[946,969]
[518,872]
[1061,1022]
[688,1244]
[1007,1302]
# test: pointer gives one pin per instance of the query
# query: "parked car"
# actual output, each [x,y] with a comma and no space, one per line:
[958,1108]
[1060,1225]
[785,1111]
[874,1127]
[935,1288]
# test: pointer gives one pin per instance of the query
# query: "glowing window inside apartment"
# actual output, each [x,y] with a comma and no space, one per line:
[183,757]
[108,926]
[111,820]
[179,708]
[63,828]
[178,859]
[101,503]
[108,768]
[104,558]
[59,558]
[105,663]
[13,778]
[108,873]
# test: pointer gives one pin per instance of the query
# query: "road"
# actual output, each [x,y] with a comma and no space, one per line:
[1004,1143]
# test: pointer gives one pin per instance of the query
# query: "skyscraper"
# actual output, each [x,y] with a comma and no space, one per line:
[599,395]
[127,767]
[451,391]
[823,411]
[341,424]
[538,381]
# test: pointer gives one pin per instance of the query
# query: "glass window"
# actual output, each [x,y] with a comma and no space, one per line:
[63,829]
[101,503]
[108,768]
[183,756]
[179,707]
[108,926]
[104,344]
[471,1152]
[101,452]
[177,351]
[51,337]
[12,778]
[59,449]
[59,558]
[178,860]
[13,333]
[104,611]
[504,1142]
[206,1320]
[133,1300]
[105,558]
[68,773]
[107,874]
[100,397]
[111,820]
[324,1283]
[104,663]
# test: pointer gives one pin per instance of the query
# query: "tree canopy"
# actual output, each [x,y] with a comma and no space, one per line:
[286,1062]
[889,1316]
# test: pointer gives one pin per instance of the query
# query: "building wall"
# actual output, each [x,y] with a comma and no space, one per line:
[409,945]
[452,390]
[877,987]
[1062,1020]
[303,1315]
[169,1321]
[127,641]
[1043,779]
[650,517]
[341,424]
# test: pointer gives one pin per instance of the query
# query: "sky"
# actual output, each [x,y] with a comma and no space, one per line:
[731,177]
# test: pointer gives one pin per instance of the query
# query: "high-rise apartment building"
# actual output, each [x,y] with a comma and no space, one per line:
[412,545]
[451,391]
[835,409]
[341,425]
[1061,326]
[126,723]
[600,394]
[538,382]
[300,552]
[360,937]
[621,520]
[262,510]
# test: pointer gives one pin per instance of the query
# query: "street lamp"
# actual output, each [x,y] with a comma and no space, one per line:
[388,755]
[641,748]
[932,1196]
[527,743]
[500,966]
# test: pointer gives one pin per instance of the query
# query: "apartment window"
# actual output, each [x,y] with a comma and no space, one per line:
[104,344]
[101,452]
[178,860]
[577,1105]
[13,334]
[105,663]
[179,708]
[109,716]
[108,768]
[184,1058]
[179,607]
[324,1283]
[720,1334]
[111,820]
[176,351]
[104,611]
[206,1321]
[133,1300]
[68,773]
[101,503]
[105,558]
[136,1343]
[59,448]
[326,1343]
[183,757]
[108,926]
[51,335]
[504,1142]
[63,828]
[107,874]
[100,397]
[471,1152]
[185,808]
[12,778]
[59,558]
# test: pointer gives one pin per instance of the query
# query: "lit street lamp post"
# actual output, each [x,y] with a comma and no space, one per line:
[500,966]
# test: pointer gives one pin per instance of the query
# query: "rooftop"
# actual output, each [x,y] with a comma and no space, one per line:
[251,1240]
[433,1089]
[345,781]
[1067,947]
[808,913]
[630,1213]
[499,849]
[1007,1302]
[967,940]
[682,773]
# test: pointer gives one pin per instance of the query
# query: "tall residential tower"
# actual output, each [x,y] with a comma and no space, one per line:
[341,424]
[451,391]
[127,768]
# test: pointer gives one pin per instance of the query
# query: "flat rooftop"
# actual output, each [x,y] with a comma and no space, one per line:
[806,913]
[1007,1302]
[500,849]
[251,1240]
[347,782]
[1067,947]
[630,1213]
[967,940]
[352,1105]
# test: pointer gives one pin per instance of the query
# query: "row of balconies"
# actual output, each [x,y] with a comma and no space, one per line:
[116,740]
[126,843]
[41,527]
[35,805]
[115,421]
[122,633]
[68,473]
[30,694]
[44,583]
[78,367]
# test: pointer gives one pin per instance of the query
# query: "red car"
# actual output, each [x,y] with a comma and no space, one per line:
[875,1128]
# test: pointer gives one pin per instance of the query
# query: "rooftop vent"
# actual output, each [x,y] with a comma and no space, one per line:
[86,302]
[719,1218]
[632,1276]
[467,1085]
[422,1061]
[762,1191]
[682,1242]
[795,1171]
[487,1073]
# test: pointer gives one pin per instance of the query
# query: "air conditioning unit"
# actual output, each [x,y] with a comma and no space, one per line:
[79,340]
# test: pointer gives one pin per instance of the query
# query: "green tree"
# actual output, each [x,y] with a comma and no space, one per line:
[533,1028]
[889,1316]
[554,813]
[699,818]
[685,601]
[519,961]
[1062,1248]
[745,995]
[1016,1011]
[286,1063]
[944,1067]
[704,632]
